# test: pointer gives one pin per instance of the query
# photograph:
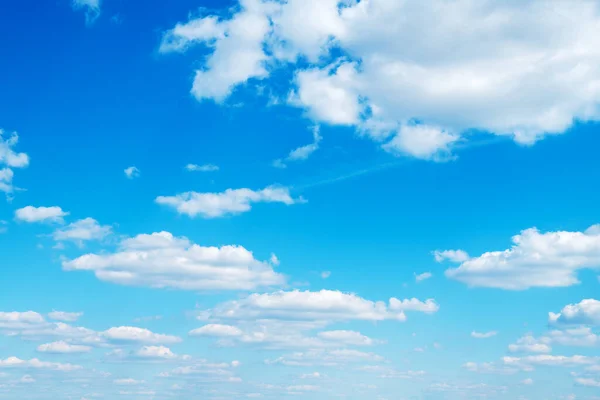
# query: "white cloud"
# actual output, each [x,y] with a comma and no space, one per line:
[586,312]
[10,159]
[217,330]
[229,202]
[19,320]
[90,7]
[422,141]
[131,172]
[456,256]
[201,168]
[589,382]
[83,230]
[527,381]
[422,277]
[161,260]
[62,347]
[549,360]
[137,335]
[40,214]
[529,344]
[325,305]
[3,226]
[325,358]
[325,274]
[65,316]
[158,353]
[356,62]
[536,259]
[301,153]
[127,381]
[14,362]
[27,379]
[347,337]
[237,46]
[483,335]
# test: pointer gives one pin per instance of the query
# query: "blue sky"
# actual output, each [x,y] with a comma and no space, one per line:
[300,199]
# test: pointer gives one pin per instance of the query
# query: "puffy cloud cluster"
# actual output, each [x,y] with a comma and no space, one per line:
[536,259]
[521,69]
[10,159]
[229,202]
[161,260]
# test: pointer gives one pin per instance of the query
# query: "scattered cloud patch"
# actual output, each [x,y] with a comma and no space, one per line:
[301,153]
[202,168]
[132,172]
[586,312]
[65,316]
[32,214]
[90,7]
[422,277]
[81,231]
[483,335]
[227,203]
[62,347]
[10,159]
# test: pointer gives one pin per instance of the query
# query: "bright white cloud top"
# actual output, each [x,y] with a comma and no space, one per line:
[450,78]
[161,260]
[229,202]
[40,214]
[536,259]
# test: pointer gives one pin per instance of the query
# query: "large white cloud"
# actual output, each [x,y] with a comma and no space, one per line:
[325,305]
[229,202]
[536,259]
[522,69]
[10,159]
[586,312]
[161,260]
[40,214]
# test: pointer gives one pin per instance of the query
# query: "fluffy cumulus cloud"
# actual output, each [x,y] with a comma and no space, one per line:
[91,8]
[581,336]
[420,92]
[81,231]
[586,312]
[229,202]
[137,335]
[62,347]
[217,330]
[536,259]
[325,305]
[161,260]
[40,214]
[10,159]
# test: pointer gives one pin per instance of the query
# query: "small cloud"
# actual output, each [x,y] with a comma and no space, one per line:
[423,276]
[527,381]
[325,274]
[274,260]
[301,153]
[202,168]
[32,214]
[483,335]
[456,256]
[132,172]
[90,7]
